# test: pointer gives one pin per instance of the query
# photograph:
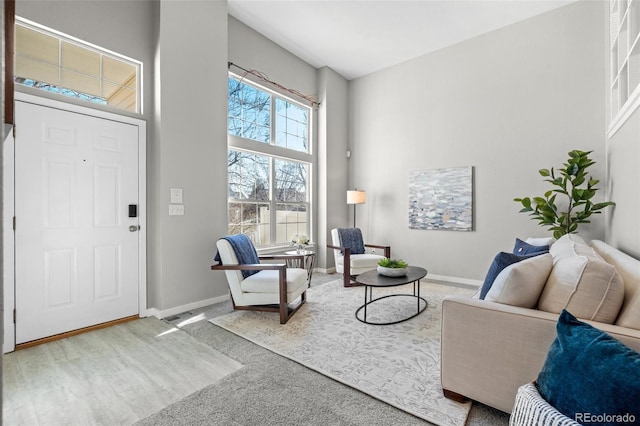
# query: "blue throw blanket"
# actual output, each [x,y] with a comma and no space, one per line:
[244,250]
[351,238]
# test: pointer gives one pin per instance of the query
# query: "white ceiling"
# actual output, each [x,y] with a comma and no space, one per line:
[358,37]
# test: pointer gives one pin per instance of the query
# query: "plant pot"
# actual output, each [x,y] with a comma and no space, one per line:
[392,272]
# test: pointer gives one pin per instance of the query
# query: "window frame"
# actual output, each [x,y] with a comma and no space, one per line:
[62,37]
[274,152]
[624,62]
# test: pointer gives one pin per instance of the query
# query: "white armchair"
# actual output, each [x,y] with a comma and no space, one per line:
[274,288]
[358,262]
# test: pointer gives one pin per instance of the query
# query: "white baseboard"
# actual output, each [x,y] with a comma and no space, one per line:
[158,313]
[457,280]
[184,308]
[446,278]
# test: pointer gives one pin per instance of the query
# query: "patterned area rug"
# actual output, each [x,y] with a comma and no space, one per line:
[398,364]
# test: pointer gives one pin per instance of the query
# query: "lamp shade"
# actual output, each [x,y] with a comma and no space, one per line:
[356,197]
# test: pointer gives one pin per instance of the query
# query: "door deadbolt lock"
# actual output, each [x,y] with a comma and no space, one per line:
[134,228]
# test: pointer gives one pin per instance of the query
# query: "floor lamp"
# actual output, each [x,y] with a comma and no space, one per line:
[356,197]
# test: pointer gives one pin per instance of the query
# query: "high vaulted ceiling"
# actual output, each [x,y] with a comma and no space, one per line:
[358,37]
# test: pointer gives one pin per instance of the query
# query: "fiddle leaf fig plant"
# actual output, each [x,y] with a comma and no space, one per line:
[573,184]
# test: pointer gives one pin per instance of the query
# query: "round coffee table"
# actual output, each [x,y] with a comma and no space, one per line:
[373,279]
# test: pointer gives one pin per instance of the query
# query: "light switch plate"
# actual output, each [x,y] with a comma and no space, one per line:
[176,195]
[176,210]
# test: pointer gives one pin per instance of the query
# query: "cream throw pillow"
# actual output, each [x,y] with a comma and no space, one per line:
[629,270]
[520,284]
[582,283]
[541,241]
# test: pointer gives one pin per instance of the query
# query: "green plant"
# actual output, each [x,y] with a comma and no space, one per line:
[569,182]
[393,263]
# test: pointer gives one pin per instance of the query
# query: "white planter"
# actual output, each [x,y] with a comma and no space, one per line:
[392,272]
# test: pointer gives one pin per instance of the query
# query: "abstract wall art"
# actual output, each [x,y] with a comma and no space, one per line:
[441,199]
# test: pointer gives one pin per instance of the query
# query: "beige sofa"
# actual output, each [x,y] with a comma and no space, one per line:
[490,349]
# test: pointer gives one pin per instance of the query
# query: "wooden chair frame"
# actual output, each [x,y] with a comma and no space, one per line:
[348,280]
[283,307]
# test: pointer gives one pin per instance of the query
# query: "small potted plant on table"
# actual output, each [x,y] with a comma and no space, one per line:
[392,267]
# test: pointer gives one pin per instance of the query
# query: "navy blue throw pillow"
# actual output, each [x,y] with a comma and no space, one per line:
[522,248]
[588,373]
[501,261]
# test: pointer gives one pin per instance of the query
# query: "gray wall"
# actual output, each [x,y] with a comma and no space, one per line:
[190,152]
[185,108]
[623,185]
[333,142]
[508,103]
[252,51]
[185,47]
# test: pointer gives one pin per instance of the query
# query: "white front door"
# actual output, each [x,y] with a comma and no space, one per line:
[77,248]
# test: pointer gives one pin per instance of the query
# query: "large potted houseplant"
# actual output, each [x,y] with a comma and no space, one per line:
[575,189]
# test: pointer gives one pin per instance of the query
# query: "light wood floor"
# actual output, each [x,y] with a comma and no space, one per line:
[113,376]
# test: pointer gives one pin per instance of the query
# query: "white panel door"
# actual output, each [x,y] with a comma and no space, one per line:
[76,246]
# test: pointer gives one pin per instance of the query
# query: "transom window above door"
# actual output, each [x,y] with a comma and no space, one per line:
[59,63]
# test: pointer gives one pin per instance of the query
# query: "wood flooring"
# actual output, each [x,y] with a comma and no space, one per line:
[114,376]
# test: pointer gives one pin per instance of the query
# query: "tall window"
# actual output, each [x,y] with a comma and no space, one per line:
[624,53]
[269,165]
[52,61]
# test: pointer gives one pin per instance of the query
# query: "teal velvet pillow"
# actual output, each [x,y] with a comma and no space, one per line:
[589,376]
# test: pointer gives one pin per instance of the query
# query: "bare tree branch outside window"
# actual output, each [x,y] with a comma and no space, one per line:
[264,190]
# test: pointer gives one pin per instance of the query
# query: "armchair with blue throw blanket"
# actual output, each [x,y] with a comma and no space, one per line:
[350,254]
[256,286]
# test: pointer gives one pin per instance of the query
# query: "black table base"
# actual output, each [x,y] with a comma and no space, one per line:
[373,279]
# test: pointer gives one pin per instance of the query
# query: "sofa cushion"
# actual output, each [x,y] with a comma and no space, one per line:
[582,282]
[588,372]
[362,260]
[267,281]
[522,248]
[500,261]
[629,270]
[570,245]
[521,283]
[540,241]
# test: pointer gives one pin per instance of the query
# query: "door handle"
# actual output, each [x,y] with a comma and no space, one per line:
[134,228]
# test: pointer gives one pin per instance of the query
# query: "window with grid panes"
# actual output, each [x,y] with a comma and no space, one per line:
[624,54]
[269,165]
[52,61]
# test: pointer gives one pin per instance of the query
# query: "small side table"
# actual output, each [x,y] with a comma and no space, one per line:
[309,259]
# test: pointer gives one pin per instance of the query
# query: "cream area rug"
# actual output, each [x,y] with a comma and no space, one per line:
[398,364]
[113,376]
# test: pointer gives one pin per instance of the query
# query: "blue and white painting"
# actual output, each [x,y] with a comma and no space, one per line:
[441,199]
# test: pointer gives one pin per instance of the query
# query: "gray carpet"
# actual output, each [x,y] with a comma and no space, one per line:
[273,390]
